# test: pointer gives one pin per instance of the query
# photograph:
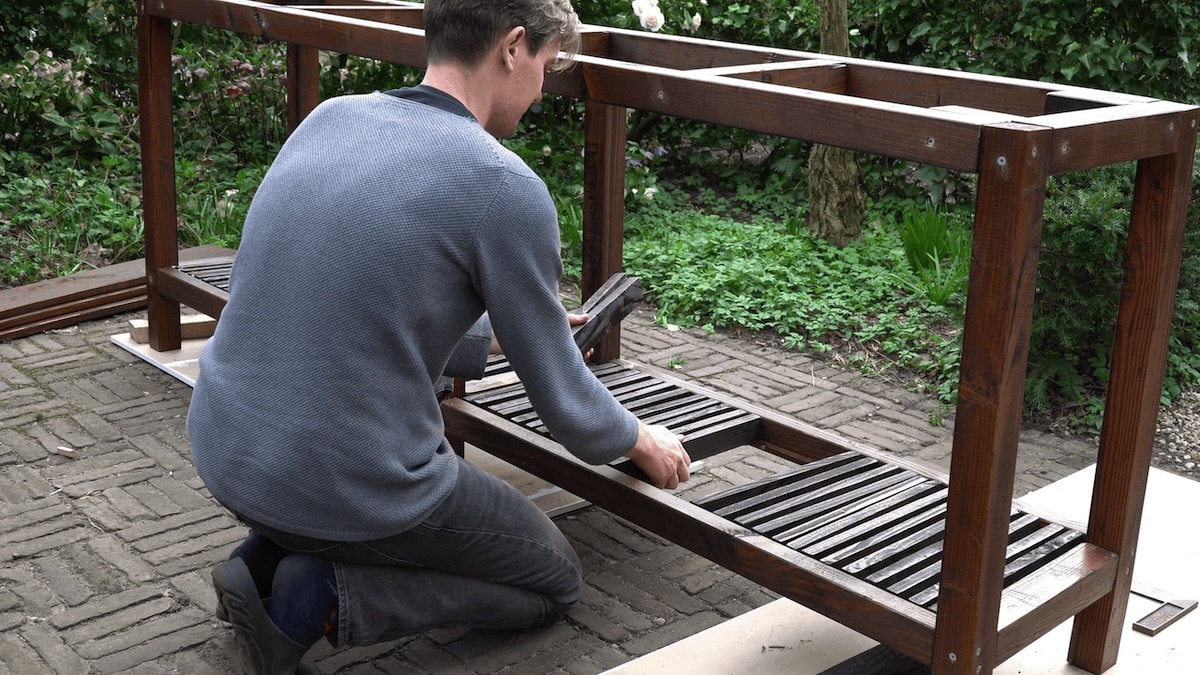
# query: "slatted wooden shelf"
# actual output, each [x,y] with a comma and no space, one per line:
[212,271]
[709,425]
[882,523]
[850,531]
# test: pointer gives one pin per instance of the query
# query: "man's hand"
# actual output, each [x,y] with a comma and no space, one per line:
[659,453]
[579,320]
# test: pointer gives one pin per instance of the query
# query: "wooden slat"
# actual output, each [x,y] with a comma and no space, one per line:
[784,495]
[844,505]
[894,495]
[732,496]
[922,535]
[212,272]
[887,521]
[925,577]
[606,307]
[708,426]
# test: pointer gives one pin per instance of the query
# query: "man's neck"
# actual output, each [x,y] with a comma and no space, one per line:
[468,86]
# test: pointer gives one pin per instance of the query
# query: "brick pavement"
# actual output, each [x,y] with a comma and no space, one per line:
[105,556]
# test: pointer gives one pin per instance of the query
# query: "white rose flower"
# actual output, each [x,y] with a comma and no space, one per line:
[653,21]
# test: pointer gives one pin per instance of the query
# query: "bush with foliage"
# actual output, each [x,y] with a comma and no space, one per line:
[69,175]
[1149,47]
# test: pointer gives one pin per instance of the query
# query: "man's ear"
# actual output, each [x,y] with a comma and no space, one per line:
[510,44]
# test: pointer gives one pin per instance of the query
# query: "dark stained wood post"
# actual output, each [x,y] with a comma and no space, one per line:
[1013,167]
[303,83]
[156,126]
[1152,260]
[605,132]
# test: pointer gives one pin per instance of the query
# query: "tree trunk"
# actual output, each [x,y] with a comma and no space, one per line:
[836,200]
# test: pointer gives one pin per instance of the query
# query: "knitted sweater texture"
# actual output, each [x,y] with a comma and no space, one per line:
[380,236]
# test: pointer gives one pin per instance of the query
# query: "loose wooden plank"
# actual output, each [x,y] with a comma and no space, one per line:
[71,318]
[88,283]
[83,296]
[613,301]
[102,297]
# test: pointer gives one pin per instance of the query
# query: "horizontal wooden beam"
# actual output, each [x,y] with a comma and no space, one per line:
[403,15]
[1085,139]
[1033,606]
[896,110]
[884,128]
[192,292]
[348,35]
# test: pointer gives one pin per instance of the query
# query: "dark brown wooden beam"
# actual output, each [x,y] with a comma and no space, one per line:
[1007,236]
[829,77]
[200,296]
[1089,138]
[605,132]
[885,128]
[303,83]
[1152,260]
[156,123]
[397,16]
[370,39]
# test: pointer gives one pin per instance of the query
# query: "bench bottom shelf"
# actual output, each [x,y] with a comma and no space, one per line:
[849,534]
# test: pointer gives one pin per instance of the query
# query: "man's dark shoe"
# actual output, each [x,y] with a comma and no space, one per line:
[265,649]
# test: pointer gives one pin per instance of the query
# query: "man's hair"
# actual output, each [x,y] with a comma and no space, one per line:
[463,31]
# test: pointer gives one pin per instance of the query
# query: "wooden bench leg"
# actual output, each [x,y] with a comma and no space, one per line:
[158,174]
[1014,161]
[1152,259]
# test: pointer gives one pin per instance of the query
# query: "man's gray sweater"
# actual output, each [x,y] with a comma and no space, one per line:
[380,236]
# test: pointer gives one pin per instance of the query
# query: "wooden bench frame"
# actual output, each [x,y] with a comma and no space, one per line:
[1013,133]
